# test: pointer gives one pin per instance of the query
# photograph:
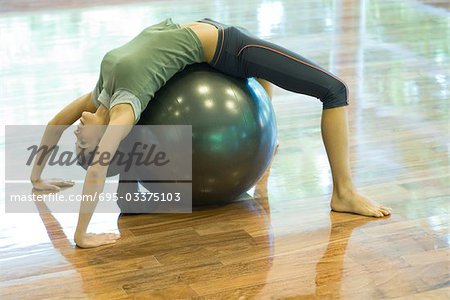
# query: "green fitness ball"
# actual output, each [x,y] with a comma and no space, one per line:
[233,129]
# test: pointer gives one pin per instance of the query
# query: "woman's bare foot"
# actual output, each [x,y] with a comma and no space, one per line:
[352,202]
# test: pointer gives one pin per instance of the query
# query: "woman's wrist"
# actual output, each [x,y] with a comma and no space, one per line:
[34,179]
[79,235]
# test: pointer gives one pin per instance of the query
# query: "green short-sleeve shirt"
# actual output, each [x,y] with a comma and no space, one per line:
[134,72]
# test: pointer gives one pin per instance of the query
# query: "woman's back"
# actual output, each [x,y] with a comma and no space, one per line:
[145,63]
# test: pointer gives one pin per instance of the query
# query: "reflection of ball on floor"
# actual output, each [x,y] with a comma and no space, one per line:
[233,128]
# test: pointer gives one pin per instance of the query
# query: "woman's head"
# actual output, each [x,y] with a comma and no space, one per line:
[88,133]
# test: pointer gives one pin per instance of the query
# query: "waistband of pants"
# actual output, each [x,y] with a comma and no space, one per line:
[220,40]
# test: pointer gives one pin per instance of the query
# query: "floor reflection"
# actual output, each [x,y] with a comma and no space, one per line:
[160,245]
[305,273]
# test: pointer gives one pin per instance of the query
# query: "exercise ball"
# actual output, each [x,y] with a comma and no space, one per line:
[233,129]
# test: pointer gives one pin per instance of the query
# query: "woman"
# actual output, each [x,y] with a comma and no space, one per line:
[132,73]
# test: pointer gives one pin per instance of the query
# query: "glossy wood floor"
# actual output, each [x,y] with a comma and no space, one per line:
[282,243]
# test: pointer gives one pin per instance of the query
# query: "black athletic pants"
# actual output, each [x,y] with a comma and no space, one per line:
[241,54]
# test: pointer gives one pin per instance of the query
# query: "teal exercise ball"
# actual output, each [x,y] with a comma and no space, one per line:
[233,129]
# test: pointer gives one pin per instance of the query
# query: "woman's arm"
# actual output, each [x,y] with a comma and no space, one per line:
[55,128]
[120,124]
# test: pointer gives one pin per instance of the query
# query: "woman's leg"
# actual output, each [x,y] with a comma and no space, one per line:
[345,198]
[284,68]
[288,70]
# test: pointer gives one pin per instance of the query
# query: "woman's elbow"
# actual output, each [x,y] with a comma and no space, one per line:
[97,172]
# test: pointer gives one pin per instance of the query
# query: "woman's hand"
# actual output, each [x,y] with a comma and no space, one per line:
[51,184]
[92,240]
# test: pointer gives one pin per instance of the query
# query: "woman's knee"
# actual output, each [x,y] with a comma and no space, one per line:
[337,95]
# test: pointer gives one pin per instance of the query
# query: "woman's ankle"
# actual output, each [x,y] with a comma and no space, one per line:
[343,191]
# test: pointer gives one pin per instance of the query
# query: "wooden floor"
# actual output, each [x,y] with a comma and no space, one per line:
[282,243]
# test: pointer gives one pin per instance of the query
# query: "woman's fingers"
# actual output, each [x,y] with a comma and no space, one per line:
[92,240]
[47,187]
[110,237]
[61,182]
[53,184]
[65,183]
